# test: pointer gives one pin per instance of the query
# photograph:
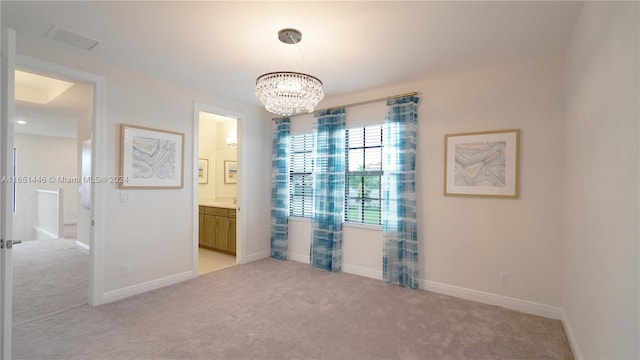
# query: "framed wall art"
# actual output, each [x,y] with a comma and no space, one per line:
[482,164]
[230,172]
[150,158]
[203,171]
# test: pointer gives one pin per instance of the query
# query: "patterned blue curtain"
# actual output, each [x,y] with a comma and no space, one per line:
[280,189]
[400,236]
[328,182]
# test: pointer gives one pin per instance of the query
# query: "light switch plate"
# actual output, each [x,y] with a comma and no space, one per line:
[126,197]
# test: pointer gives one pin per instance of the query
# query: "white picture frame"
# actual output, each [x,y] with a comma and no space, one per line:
[203,171]
[230,172]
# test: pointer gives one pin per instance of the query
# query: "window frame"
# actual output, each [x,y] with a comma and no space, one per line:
[379,145]
[306,205]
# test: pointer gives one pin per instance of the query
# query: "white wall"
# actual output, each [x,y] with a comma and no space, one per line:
[465,242]
[44,156]
[601,271]
[84,214]
[213,147]
[225,192]
[153,234]
[255,153]
[207,150]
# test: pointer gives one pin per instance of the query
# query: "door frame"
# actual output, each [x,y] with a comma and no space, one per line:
[96,244]
[7,107]
[241,189]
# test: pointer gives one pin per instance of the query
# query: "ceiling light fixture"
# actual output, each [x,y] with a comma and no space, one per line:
[286,92]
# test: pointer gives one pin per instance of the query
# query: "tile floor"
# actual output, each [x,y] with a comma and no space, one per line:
[209,260]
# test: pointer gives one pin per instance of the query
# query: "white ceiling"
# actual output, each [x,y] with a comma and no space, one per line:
[61,117]
[221,47]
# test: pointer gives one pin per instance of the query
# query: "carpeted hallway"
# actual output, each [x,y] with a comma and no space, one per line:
[49,276]
[279,310]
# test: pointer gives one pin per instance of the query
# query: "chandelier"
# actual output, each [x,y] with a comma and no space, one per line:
[286,92]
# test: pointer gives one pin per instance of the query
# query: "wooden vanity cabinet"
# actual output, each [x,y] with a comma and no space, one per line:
[201,225]
[232,230]
[217,229]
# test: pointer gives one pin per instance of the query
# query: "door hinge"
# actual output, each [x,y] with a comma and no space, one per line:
[1,243]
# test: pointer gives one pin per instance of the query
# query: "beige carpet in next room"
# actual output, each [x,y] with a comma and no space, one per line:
[49,276]
[287,310]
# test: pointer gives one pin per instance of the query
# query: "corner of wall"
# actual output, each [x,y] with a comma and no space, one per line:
[570,336]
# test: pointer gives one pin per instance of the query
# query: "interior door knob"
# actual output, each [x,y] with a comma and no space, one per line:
[10,243]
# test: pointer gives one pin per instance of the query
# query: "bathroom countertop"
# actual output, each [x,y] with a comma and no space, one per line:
[220,205]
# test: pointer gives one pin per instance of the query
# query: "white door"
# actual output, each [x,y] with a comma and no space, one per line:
[7,108]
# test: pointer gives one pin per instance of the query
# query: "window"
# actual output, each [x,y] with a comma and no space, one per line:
[300,179]
[363,200]
[363,195]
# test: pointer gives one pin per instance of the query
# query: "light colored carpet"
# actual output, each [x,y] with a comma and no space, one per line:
[287,310]
[49,275]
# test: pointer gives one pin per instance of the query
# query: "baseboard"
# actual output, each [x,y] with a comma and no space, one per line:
[362,271]
[82,245]
[524,306]
[257,256]
[349,269]
[573,343]
[45,232]
[123,293]
[305,259]
[464,293]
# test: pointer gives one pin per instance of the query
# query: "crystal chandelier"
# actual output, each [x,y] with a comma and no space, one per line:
[285,92]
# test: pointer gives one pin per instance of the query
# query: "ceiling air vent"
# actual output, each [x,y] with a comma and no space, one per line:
[71,38]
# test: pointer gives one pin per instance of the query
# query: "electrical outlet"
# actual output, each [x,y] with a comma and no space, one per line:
[505,278]
[125,270]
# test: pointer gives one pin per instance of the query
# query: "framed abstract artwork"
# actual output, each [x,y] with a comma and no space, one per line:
[482,164]
[150,158]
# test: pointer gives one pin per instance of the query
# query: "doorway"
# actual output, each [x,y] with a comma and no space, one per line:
[54,118]
[217,198]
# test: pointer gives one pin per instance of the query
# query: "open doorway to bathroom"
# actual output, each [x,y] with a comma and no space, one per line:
[217,191]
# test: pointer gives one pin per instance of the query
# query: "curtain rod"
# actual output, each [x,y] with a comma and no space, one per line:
[354,104]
